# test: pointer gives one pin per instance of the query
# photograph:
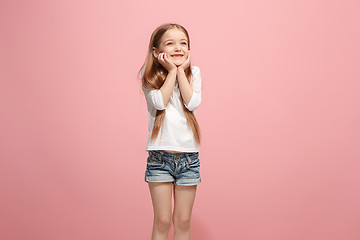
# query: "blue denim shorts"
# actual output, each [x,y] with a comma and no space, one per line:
[179,168]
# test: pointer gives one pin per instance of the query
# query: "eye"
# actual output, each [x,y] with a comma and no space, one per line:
[184,43]
[169,43]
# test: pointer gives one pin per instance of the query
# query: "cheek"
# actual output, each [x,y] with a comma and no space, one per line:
[167,50]
[168,53]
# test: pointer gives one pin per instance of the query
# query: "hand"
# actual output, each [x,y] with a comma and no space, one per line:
[166,63]
[185,64]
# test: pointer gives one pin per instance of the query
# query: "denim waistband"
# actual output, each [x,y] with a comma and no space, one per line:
[174,156]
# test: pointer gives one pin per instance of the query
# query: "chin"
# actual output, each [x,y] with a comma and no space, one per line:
[178,63]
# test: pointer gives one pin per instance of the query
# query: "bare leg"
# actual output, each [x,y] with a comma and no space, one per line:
[184,197]
[161,198]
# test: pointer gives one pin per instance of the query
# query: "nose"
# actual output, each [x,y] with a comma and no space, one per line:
[178,46]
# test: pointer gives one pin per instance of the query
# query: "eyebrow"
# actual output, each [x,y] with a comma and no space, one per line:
[173,39]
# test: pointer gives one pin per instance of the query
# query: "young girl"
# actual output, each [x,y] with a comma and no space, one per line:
[172,88]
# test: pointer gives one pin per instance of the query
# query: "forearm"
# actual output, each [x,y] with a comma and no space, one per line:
[168,86]
[184,86]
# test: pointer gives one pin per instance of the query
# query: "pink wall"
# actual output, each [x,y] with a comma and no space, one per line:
[279,117]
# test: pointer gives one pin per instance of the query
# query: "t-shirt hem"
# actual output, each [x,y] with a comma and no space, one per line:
[172,149]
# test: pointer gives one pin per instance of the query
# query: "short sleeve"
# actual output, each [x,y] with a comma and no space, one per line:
[196,86]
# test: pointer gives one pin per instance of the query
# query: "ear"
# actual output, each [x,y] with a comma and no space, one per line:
[155,52]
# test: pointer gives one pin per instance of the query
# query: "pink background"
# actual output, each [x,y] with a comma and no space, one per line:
[279,118]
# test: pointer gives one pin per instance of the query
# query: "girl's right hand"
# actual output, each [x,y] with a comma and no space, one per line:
[166,63]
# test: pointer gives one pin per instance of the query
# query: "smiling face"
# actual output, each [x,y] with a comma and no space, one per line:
[175,44]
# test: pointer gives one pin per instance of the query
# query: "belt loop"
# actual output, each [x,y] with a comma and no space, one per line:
[188,158]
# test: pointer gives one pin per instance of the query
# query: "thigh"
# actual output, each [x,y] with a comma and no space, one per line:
[184,197]
[161,193]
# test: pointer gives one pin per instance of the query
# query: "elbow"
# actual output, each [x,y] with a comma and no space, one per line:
[194,102]
[159,105]
[193,107]
[158,101]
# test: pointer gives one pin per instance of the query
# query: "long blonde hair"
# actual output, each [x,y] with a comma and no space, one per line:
[154,77]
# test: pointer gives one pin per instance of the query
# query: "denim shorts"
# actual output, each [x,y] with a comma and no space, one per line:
[179,168]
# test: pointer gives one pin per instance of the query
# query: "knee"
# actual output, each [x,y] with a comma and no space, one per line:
[182,223]
[163,223]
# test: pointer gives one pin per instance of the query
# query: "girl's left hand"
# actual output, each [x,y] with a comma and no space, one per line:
[185,64]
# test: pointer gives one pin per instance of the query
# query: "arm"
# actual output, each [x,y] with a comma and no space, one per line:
[191,93]
[154,97]
[159,98]
[168,86]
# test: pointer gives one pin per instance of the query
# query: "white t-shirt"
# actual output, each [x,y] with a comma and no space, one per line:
[176,134]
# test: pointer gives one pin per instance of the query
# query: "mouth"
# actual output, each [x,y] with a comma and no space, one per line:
[177,55]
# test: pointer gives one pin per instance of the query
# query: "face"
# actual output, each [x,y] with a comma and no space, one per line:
[175,44]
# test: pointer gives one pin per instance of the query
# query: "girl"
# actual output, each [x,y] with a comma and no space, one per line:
[172,89]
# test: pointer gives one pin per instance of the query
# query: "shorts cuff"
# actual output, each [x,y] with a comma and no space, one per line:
[158,179]
[188,182]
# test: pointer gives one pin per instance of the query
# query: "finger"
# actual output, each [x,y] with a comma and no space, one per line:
[167,58]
